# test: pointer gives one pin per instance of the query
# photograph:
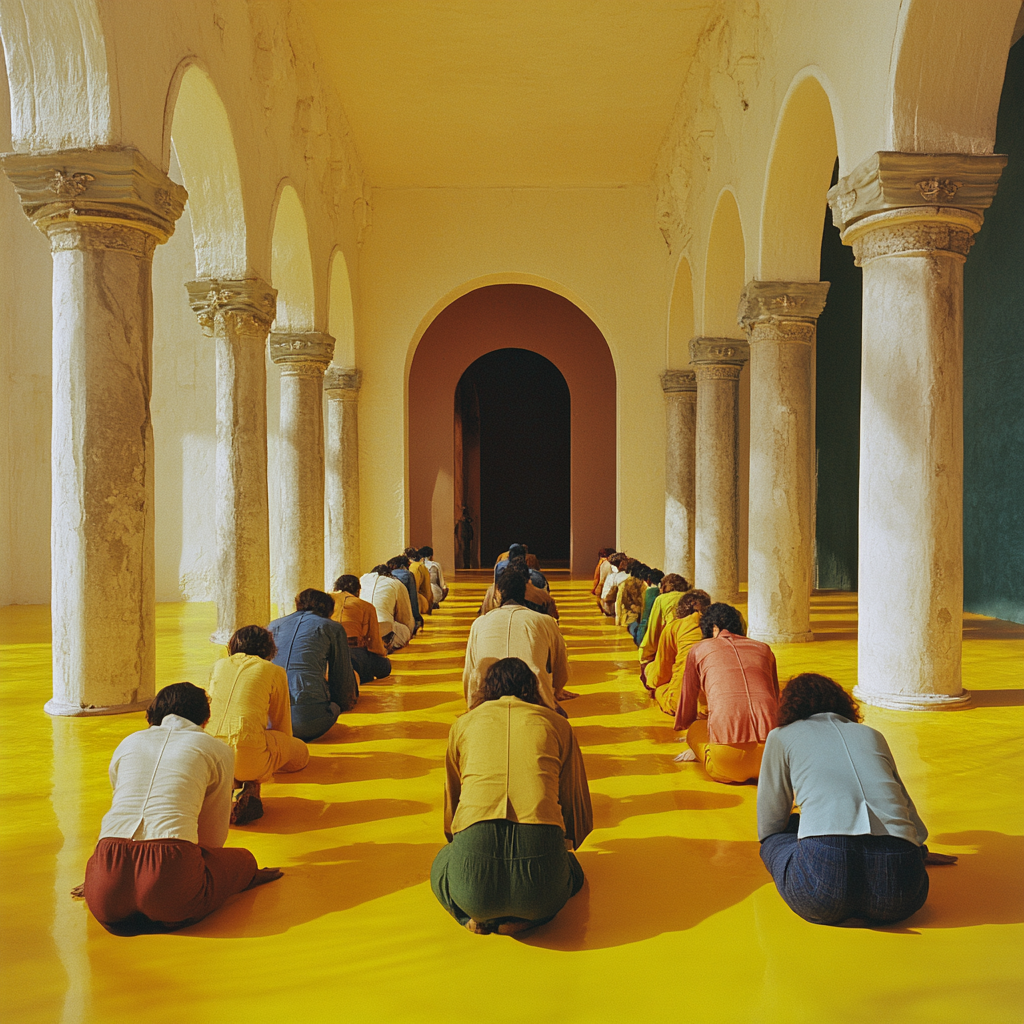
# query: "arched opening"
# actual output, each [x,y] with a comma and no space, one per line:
[341,323]
[680,318]
[512,316]
[513,424]
[291,267]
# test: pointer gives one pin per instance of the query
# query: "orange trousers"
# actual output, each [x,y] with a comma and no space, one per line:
[725,762]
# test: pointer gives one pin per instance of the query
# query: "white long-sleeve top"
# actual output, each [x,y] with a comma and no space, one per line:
[390,598]
[171,781]
[843,777]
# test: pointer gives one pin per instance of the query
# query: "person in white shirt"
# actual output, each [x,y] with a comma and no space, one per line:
[394,610]
[160,863]
[438,586]
[620,565]
[515,631]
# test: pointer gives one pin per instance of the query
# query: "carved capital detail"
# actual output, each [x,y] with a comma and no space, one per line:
[892,181]
[678,381]
[900,237]
[343,382]
[719,371]
[781,332]
[247,307]
[718,352]
[68,235]
[106,185]
[776,306]
[307,353]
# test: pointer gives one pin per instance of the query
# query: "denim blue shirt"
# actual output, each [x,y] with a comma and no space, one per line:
[308,648]
[406,577]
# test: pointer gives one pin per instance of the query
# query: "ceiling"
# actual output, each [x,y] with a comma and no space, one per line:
[507,92]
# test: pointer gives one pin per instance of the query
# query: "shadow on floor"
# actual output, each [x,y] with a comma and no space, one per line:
[385,701]
[330,769]
[996,698]
[986,887]
[597,735]
[391,731]
[619,905]
[607,766]
[612,811]
[290,815]
[607,703]
[319,883]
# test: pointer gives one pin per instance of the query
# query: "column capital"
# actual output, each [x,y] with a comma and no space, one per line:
[250,304]
[728,353]
[343,382]
[779,301]
[86,198]
[678,381]
[309,352]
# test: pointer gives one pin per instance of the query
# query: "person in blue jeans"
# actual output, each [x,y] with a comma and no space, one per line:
[313,650]
[856,849]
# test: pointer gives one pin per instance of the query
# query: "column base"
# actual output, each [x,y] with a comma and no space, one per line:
[913,701]
[781,638]
[60,708]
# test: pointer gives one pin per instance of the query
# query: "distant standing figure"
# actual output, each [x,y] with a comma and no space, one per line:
[516,806]
[313,650]
[856,849]
[160,863]
[464,540]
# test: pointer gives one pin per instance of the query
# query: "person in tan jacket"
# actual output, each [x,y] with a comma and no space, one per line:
[665,673]
[246,692]
[359,620]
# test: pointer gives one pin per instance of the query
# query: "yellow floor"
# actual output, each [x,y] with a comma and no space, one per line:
[678,920]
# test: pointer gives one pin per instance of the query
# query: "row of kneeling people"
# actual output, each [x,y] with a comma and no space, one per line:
[517,803]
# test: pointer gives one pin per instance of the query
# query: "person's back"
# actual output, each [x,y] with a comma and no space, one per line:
[359,620]
[665,675]
[662,612]
[516,804]
[313,649]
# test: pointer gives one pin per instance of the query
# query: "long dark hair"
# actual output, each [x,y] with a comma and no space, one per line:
[510,677]
[810,694]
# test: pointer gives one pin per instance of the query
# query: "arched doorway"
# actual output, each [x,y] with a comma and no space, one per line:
[486,320]
[512,456]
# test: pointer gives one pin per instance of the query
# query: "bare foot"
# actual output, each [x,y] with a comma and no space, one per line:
[565,695]
[686,755]
[514,927]
[78,893]
[939,858]
[264,875]
[477,927]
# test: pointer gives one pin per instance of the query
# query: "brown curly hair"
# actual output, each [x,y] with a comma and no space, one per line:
[509,677]
[693,601]
[810,694]
[673,581]
[253,640]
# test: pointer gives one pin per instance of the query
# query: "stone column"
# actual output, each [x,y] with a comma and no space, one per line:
[237,315]
[717,363]
[780,319]
[342,537]
[680,387]
[300,471]
[104,212]
[911,219]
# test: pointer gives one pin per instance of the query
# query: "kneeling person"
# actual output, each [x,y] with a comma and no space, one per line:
[508,870]
[160,863]
[359,620]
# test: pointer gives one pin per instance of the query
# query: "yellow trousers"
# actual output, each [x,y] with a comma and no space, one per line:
[724,762]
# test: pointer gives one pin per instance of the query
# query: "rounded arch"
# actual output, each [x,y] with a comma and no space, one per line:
[200,132]
[947,75]
[512,315]
[291,266]
[341,321]
[724,270]
[800,165]
[680,318]
[485,281]
[57,60]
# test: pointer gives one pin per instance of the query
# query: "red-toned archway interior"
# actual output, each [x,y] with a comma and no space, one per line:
[512,316]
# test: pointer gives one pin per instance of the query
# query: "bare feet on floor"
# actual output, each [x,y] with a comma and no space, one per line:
[248,807]
[565,695]
[78,893]
[477,927]
[514,927]
[686,755]
[264,875]
[939,858]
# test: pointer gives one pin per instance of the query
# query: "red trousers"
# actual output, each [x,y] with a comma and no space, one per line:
[158,885]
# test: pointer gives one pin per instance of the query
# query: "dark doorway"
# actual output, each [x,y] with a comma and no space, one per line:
[512,455]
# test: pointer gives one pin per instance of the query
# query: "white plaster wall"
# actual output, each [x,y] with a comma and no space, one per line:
[25,275]
[599,247]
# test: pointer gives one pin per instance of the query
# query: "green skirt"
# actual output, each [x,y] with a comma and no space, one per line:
[499,870]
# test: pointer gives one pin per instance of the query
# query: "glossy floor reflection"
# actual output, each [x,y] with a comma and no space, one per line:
[677,921]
